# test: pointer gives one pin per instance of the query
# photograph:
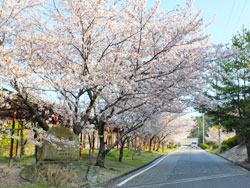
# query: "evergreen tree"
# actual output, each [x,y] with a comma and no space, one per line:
[232,86]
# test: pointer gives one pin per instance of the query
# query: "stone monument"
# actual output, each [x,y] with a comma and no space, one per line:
[59,164]
[58,151]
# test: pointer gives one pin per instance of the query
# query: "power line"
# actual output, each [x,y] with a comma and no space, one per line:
[244,6]
[229,18]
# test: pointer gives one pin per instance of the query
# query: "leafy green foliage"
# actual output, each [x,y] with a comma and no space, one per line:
[215,146]
[211,143]
[203,146]
[224,147]
[231,88]
[231,142]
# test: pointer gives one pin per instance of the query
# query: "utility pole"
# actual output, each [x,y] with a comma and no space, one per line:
[198,130]
[203,126]
[219,132]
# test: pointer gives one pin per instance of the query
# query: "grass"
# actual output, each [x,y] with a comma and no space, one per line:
[36,186]
[31,186]
[25,160]
[115,168]
[216,151]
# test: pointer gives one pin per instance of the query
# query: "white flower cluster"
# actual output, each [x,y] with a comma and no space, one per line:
[99,61]
[52,139]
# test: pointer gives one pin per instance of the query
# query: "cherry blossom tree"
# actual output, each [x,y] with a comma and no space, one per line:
[102,62]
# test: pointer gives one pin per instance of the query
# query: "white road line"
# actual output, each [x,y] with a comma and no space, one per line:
[131,177]
[188,180]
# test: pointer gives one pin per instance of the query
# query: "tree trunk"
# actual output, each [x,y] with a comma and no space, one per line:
[22,141]
[132,142]
[121,149]
[90,144]
[35,136]
[77,129]
[101,154]
[93,144]
[128,144]
[150,143]
[154,145]
[158,146]
[102,151]
[140,147]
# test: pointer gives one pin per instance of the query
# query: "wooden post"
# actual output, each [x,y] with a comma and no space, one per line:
[22,141]
[35,137]
[111,136]
[81,145]
[117,146]
[12,133]
[136,143]
[84,137]
[93,145]
[17,140]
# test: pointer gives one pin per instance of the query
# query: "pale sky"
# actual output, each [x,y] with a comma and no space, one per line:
[230,16]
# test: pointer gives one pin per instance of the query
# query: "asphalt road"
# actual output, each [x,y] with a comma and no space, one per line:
[188,168]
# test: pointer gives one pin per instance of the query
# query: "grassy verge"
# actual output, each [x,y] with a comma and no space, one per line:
[25,160]
[216,151]
[115,168]
[36,186]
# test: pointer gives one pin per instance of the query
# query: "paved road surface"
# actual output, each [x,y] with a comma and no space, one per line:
[188,168]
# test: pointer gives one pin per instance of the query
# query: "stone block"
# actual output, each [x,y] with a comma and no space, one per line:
[48,152]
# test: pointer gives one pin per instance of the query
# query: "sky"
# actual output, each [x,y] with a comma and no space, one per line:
[230,16]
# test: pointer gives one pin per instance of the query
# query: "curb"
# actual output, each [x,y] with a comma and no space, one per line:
[239,164]
[106,183]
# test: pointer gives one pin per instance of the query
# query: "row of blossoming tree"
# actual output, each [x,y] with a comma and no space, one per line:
[102,62]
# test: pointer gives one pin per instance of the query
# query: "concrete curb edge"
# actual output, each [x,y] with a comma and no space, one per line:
[239,164]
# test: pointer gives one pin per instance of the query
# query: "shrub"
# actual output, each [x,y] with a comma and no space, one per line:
[204,146]
[174,146]
[211,143]
[224,148]
[231,142]
[215,146]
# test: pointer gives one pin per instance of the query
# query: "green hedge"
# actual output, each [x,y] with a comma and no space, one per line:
[215,146]
[211,143]
[224,147]
[204,146]
[231,142]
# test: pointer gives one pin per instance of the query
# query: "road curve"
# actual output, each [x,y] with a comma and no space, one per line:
[188,168]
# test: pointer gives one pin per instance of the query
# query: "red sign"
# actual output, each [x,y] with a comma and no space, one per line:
[8,121]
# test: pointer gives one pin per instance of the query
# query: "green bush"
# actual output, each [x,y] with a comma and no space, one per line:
[231,142]
[211,143]
[204,146]
[224,148]
[174,146]
[215,146]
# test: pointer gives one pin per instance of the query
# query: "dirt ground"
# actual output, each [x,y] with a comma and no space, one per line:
[9,176]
